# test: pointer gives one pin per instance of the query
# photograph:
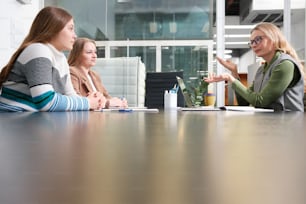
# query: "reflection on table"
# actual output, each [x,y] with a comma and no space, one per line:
[212,157]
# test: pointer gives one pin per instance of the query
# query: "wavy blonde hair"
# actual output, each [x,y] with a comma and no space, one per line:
[76,52]
[281,44]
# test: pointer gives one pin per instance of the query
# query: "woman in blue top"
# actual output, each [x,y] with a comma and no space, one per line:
[37,76]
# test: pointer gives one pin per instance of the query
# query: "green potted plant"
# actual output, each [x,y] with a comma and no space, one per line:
[199,90]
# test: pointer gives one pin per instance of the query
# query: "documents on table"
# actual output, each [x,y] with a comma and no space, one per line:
[245,108]
[226,108]
[200,108]
[126,110]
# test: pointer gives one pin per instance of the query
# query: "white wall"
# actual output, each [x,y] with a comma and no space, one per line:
[245,60]
[298,36]
[15,21]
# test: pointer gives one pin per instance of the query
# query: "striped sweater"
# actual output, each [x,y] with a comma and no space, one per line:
[40,81]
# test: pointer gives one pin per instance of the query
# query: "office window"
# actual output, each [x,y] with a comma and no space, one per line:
[149,20]
[142,19]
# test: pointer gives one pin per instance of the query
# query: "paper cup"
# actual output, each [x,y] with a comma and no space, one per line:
[209,99]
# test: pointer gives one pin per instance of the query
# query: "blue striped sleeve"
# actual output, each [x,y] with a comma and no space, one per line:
[68,103]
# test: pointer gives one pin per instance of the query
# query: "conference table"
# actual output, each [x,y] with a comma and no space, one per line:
[165,157]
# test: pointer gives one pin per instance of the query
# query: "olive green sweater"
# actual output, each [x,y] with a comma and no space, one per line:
[283,76]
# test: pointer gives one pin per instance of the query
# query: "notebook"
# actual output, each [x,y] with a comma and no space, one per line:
[129,109]
[190,105]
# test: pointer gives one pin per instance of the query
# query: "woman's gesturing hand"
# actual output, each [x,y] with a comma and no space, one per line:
[228,64]
[212,77]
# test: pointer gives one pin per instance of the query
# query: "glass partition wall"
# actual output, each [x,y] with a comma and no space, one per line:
[193,57]
[168,35]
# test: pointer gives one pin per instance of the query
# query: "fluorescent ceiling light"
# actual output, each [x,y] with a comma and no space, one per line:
[172,27]
[153,27]
[225,51]
[239,26]
[235,43]
[276,4]
[197,48]
[236,36]
[123,1]
[227,56]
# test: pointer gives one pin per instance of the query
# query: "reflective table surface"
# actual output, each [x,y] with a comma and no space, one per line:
[212,157]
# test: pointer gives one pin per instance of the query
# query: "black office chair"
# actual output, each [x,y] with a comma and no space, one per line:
[156,84]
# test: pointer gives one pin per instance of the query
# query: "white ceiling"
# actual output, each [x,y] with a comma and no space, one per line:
[237,35]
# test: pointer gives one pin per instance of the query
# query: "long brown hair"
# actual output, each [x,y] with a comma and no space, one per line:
[46,25]
[75,53]
[279,40]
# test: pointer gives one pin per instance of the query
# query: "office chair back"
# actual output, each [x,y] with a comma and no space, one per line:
[156,84]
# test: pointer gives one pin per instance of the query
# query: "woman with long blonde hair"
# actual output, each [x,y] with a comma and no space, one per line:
[279,81]
[82,58]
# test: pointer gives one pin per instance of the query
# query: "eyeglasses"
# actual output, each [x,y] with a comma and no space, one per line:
[257,40]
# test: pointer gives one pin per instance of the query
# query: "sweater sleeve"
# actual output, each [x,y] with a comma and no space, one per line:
[279,81]
[41,77]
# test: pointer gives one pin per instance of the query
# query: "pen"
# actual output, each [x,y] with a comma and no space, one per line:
[174,89]
[125,110]
[114,110]
[129,110]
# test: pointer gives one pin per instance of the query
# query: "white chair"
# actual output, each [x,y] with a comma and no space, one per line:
[123,77]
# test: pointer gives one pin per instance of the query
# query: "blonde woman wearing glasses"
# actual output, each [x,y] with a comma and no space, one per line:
[278,83]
